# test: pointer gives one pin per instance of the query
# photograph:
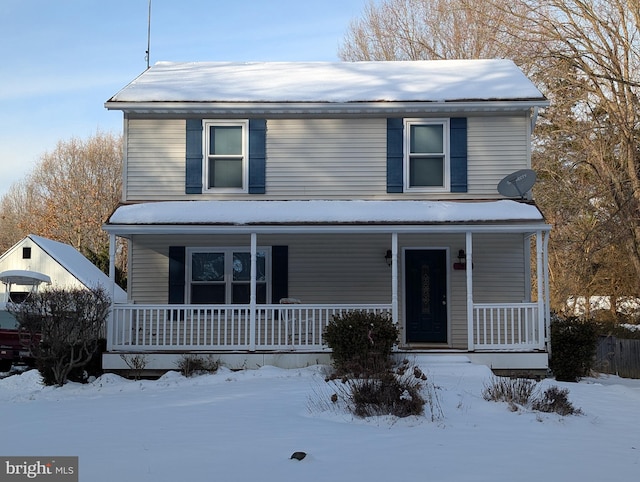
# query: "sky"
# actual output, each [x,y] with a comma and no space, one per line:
[61,60]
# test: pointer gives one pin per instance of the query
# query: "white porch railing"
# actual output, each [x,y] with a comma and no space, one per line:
[224,327]
[508,326]
[140,327]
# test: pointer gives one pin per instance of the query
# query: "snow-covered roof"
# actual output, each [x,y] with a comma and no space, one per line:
[330,82]
[79,266]
[316,212]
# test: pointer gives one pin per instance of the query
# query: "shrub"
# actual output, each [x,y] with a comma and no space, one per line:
[190,365]
[555,400]
[361,342]
[522,392]
[573,347]
[401,393]
[64,329]
[511,390]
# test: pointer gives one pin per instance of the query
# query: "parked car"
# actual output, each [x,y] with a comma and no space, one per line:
[13,347]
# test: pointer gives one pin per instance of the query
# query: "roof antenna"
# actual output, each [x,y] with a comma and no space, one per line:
[147,53]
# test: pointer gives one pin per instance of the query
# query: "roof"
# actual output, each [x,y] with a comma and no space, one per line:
[24,277]
[326,213]
[77,265]
[329,82]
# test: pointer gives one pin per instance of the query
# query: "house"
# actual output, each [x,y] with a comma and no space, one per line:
[36,262]
[260,199]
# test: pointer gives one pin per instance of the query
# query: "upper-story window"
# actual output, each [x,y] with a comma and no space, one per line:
[226,152]
[426,155]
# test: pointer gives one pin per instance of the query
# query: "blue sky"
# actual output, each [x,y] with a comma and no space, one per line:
[60,60]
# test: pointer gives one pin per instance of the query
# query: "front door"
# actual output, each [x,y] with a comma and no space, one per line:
[426,295]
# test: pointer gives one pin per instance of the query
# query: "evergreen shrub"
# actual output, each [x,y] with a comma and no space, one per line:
[573,347]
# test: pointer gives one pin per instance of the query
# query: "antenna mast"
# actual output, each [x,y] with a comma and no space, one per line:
[148,52]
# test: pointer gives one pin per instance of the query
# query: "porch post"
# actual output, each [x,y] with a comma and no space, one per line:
[469,272]
[252,294]
[394,277]
[112,279]
[541,293]
[112,265]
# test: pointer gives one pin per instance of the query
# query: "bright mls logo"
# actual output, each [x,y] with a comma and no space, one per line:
[54,469]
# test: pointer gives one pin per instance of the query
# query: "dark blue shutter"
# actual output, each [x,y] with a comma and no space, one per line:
[257,155]
[279,273]
[394,154]
[193,178]
[458,151]
[176,274]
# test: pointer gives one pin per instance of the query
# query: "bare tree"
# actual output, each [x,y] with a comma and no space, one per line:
[68,196]
[430,30]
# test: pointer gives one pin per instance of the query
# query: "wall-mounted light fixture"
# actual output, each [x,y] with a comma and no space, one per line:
[388,257]
[462,260]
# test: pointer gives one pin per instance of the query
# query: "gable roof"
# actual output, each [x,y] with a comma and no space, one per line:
[77,265]
[433,81]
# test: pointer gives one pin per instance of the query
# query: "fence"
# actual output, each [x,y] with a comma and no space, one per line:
[617,356]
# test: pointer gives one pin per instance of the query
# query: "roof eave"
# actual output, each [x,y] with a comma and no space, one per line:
[301,108]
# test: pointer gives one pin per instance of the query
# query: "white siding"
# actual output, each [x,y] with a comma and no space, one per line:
[326,158]
[497,146]
[321,159]
[155,160]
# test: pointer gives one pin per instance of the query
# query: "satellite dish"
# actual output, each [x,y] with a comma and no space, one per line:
[517,184]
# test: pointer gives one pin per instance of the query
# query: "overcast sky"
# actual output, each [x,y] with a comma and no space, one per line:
[60,60]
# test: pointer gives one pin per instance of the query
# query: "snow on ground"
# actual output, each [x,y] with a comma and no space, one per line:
[243,426]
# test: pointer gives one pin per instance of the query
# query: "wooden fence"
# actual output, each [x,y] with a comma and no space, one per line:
[618,357]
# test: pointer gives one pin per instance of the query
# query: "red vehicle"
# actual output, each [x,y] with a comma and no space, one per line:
[12,349]
[13,344]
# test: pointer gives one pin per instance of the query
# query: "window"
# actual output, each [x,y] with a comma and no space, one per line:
[223,275]
[426,154]
[26,253]
[226,147]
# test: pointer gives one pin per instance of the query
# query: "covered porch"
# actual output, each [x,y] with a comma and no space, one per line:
[478,316]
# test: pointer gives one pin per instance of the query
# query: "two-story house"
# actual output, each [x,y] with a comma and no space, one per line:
[262,198]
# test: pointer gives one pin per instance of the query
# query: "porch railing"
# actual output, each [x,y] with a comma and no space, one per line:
[226,327]
[508,326]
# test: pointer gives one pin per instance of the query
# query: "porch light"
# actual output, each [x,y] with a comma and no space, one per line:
[462,260]
[388,257]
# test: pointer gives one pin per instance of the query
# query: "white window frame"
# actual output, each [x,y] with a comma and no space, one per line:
[244,123]
[228,268]
[446,187]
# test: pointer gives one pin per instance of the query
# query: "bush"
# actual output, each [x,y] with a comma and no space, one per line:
[522,392]
[401,392]
[361,342]
[190,365]
[511,390]
[555,400]
[64,329]
[573,347]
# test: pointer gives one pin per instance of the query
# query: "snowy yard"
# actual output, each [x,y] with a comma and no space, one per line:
[244,426]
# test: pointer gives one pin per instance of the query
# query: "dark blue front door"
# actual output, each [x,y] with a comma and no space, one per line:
[426,295]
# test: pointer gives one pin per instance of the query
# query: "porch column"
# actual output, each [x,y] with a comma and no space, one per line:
[469,272]
[252,294]
[112,265]
[394,277]
[547,298]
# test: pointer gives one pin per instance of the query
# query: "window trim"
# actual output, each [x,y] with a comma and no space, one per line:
[206,124]
[406,148]
[228,271]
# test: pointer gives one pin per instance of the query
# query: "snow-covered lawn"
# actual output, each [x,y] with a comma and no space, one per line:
[244,426]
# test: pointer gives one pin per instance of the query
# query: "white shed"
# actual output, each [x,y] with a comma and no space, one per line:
[59,263]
